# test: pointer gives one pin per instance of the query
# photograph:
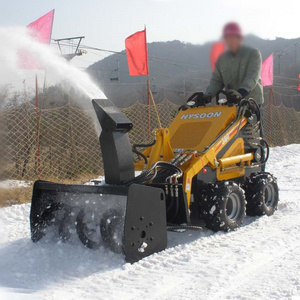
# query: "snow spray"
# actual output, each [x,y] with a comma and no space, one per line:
[15,40]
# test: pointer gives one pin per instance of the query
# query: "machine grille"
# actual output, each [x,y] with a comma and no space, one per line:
[190,135]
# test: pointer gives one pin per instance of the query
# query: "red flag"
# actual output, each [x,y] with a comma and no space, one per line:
[40,31]
[137,56]
[216,50]
[267,71]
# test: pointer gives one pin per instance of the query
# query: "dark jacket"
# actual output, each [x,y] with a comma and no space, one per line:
[240,71]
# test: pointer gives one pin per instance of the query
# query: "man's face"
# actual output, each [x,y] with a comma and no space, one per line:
[233,43]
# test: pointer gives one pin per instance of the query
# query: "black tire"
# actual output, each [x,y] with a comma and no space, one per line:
[90,237]
[262,194]
[112,230]
[223,206]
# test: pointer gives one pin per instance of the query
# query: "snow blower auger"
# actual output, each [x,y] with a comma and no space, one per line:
[203,167]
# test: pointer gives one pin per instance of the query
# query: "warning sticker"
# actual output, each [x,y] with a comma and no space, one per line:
[188,184]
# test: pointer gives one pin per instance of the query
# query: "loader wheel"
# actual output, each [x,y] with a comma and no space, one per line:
[112,230]
[262,194]
[223,206]
[88,229]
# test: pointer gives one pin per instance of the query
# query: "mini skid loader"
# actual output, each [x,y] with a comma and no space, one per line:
[208,166]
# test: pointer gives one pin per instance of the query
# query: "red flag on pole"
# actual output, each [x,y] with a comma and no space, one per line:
[40,31]
[216,50]
[267,71]
[137,56]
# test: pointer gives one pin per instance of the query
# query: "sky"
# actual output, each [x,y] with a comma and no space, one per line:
[106,23]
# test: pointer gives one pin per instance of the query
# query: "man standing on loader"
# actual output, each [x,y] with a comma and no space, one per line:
[238,69]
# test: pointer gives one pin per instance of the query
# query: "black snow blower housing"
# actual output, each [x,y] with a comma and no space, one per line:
[124,215]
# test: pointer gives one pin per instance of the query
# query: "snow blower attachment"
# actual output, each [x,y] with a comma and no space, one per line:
[126,218]
[207,168]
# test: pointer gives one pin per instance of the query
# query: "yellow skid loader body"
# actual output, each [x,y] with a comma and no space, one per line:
[196,137]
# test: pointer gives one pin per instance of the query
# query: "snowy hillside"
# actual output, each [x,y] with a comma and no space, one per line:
[259,261]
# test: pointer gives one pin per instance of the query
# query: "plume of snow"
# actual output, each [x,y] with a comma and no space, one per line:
[16,39]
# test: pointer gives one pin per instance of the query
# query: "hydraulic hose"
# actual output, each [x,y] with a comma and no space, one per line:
[158,169]
[140,154]
[134,146]
[268,151]
[176,210]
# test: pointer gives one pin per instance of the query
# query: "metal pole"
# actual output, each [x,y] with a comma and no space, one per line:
[279,61]
[25,90]
[278,116]
[296,59]
[118,66]
[148,104]
[148,86]
[38,152]
[155,109]
[44,90]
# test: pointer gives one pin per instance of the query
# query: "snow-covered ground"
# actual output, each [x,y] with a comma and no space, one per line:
[10,184]
[261,260]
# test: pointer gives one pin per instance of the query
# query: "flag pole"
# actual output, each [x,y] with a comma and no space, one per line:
[148,87]
[37,128]
[148,105]
[25,90]
[44,90]
[150,96]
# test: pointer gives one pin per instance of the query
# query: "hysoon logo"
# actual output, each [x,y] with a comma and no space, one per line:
[201,116]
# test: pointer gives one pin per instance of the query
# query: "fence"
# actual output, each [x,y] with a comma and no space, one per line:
[68,143]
